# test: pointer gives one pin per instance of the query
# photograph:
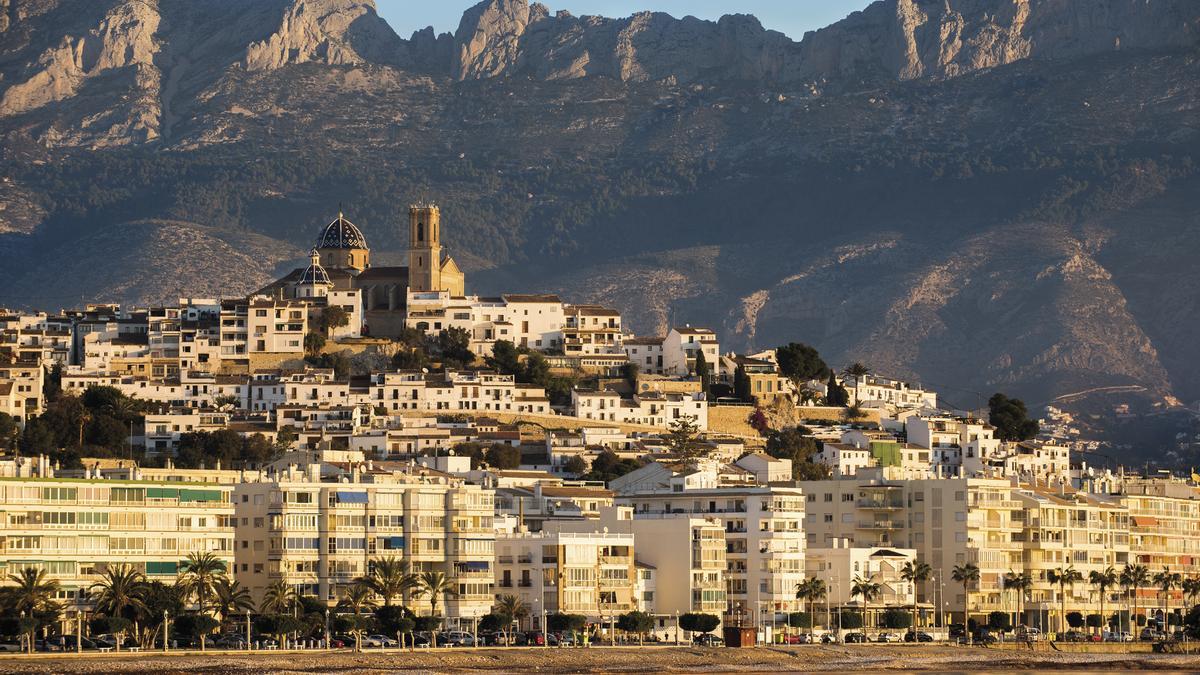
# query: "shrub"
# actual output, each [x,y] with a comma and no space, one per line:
[566,622]
[850,619]
[800,620]
[696,622]
[895,617]
[999,621]
[1075,619]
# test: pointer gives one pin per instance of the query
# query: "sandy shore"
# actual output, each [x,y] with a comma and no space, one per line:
[605,660]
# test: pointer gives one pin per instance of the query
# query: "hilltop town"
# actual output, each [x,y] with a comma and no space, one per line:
[354,435]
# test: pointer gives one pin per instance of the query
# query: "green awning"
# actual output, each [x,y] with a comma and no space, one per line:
[186,495]
[162,493]
[166,567]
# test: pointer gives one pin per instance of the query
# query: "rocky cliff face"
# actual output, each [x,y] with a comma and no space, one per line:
[332,32]
[909,39]
[118,46]
[1030,228]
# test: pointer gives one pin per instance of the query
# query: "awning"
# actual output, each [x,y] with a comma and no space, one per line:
[392,543]
[168,567]
[186,495]
[474,565]
[162,493]
[346,497]
[1145,521]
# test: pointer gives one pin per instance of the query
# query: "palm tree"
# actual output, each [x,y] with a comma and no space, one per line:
[1064,577]
[510,606]
[810,591]
[231,598]
[199,574]
[856,370]
[869,590]
[435,585]
[1019,583]
[278,598]
[34,592]
[1166,580]
[1191,588]
[390,577]
[357,597]
[120,588]
[1104,581]
[1134,577]
[916,573]
[966,574]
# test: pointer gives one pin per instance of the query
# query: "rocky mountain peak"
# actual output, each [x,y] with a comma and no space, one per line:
[333,32]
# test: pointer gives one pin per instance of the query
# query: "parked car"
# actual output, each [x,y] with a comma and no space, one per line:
[1149,633]
[456,638]
[565,639]
[708,640]
[855,637]
[957,630]
[378,640]
[420,640]
[1118,636]
[910,636]
[828,639]
[986,639]
[888,637]
[10,647]
[1029,634]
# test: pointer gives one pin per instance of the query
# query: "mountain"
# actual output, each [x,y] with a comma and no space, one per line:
[983,194]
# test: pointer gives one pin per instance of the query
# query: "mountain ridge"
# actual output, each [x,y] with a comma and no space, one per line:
[975,193]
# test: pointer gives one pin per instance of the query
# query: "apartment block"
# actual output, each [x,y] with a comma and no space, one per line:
[76,528]
[573,572]
[318,528]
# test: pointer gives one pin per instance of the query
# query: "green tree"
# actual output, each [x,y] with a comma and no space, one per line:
[966,574]
[741,385]
[357,598]
[434,585]
[629,373]
[811,590]
[1133,578]
[636,622]
[698,622]
[32,594]
[313,342]
[413,358]
[505,358]
[1019,582]
[9,431]
[119,592]
[537,371]
[1064,578]
[703,372]
[453,345]
[333,317]
[916,573]
[559,622]
[894,617]
[1103,580]
[798,445]
[575,466]
[868,590]
[278,598]
[1166,581]
[231,598]
[800,363]
[835,394]
[1011,418]
[199,574]
[683,438]
[502,456]
[391,578]
[509,608]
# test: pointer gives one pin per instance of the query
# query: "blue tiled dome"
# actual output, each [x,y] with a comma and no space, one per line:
[341,233]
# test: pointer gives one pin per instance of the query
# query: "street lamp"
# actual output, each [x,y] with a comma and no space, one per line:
[676,628]
[247,630]
[166,631]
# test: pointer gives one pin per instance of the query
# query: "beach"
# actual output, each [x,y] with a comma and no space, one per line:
[807,658]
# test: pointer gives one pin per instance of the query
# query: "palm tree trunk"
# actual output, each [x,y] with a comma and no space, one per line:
[967,612]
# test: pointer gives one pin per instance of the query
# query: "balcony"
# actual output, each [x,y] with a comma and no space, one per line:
[880,525]
[880,504]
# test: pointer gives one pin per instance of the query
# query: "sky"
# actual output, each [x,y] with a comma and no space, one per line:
[791,17]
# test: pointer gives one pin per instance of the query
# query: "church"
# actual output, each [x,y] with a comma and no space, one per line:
[341,261]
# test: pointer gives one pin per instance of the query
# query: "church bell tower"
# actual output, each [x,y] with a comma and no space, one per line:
[425,248]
